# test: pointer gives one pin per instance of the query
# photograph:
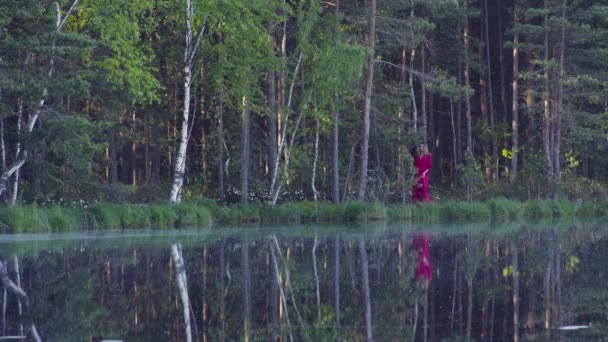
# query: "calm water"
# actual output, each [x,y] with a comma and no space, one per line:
[94,286]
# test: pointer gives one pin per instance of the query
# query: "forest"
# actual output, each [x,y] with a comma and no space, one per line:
[276,100]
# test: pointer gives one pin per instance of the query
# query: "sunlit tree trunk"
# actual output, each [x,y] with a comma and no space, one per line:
[546,96]
[559,113]
[368,101]
[467,83]
[515,99]
[501,62]
[490,92]
[245,150]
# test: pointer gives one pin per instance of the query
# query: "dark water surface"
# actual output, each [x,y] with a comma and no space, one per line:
[493,282]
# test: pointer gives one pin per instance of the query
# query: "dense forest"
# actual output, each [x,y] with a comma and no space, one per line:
[277,100]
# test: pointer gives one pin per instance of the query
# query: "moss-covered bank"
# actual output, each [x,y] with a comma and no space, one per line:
[206,213]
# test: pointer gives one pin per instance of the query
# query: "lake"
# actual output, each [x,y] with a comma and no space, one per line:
[489,281]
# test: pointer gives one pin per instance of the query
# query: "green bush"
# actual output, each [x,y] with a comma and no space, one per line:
[538,209]
[59,219]
[503,209]
[192,215]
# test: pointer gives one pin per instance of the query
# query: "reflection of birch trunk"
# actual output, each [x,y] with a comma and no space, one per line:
[415,320]
[469,305]
[246,290]
[223,292]
[18,278]
[314,264]
[515,293]
[558,287]
[454,296]
[426,310]
[337,278]
[547,291]
[274,301]
[281,291]
[182,284]
[365,285]
[288,283]
[22,297]
[4,298]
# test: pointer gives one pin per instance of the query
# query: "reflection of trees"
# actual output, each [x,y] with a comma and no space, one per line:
[256,285]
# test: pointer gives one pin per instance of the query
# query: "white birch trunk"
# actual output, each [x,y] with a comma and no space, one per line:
[189,57]
[315,193]
[274,188]
[182,284]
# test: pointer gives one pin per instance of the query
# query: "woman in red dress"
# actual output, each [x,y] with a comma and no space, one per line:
[423,162]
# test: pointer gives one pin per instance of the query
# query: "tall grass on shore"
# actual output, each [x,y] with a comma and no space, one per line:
[204,213]
[33,218]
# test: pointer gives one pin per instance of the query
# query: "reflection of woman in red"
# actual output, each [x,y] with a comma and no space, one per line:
[423,162]
[424,270]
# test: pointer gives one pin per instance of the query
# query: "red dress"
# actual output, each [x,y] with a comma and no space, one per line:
[424,270]
[420,190]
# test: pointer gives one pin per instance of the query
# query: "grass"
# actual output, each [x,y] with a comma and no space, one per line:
[205,213]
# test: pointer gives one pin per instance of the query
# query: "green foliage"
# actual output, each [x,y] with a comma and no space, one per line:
[538,209]
[503,209]
[23,219]
[192,215]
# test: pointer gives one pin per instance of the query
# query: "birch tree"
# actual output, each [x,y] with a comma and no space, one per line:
[22,153]
[190,52]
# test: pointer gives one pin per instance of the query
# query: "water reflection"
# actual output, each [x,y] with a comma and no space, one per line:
[394,285]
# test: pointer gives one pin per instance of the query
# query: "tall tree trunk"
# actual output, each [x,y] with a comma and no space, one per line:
[501,62]
[490,93]
[454,145]
[559,113]
[17,179]
[515,98]
[467,82]
[272,122]
[365,285]
[245,150]
[221,145]
[189,58]
[315,193]
[368,102]
[424,125]
[335,161]
[547,148]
